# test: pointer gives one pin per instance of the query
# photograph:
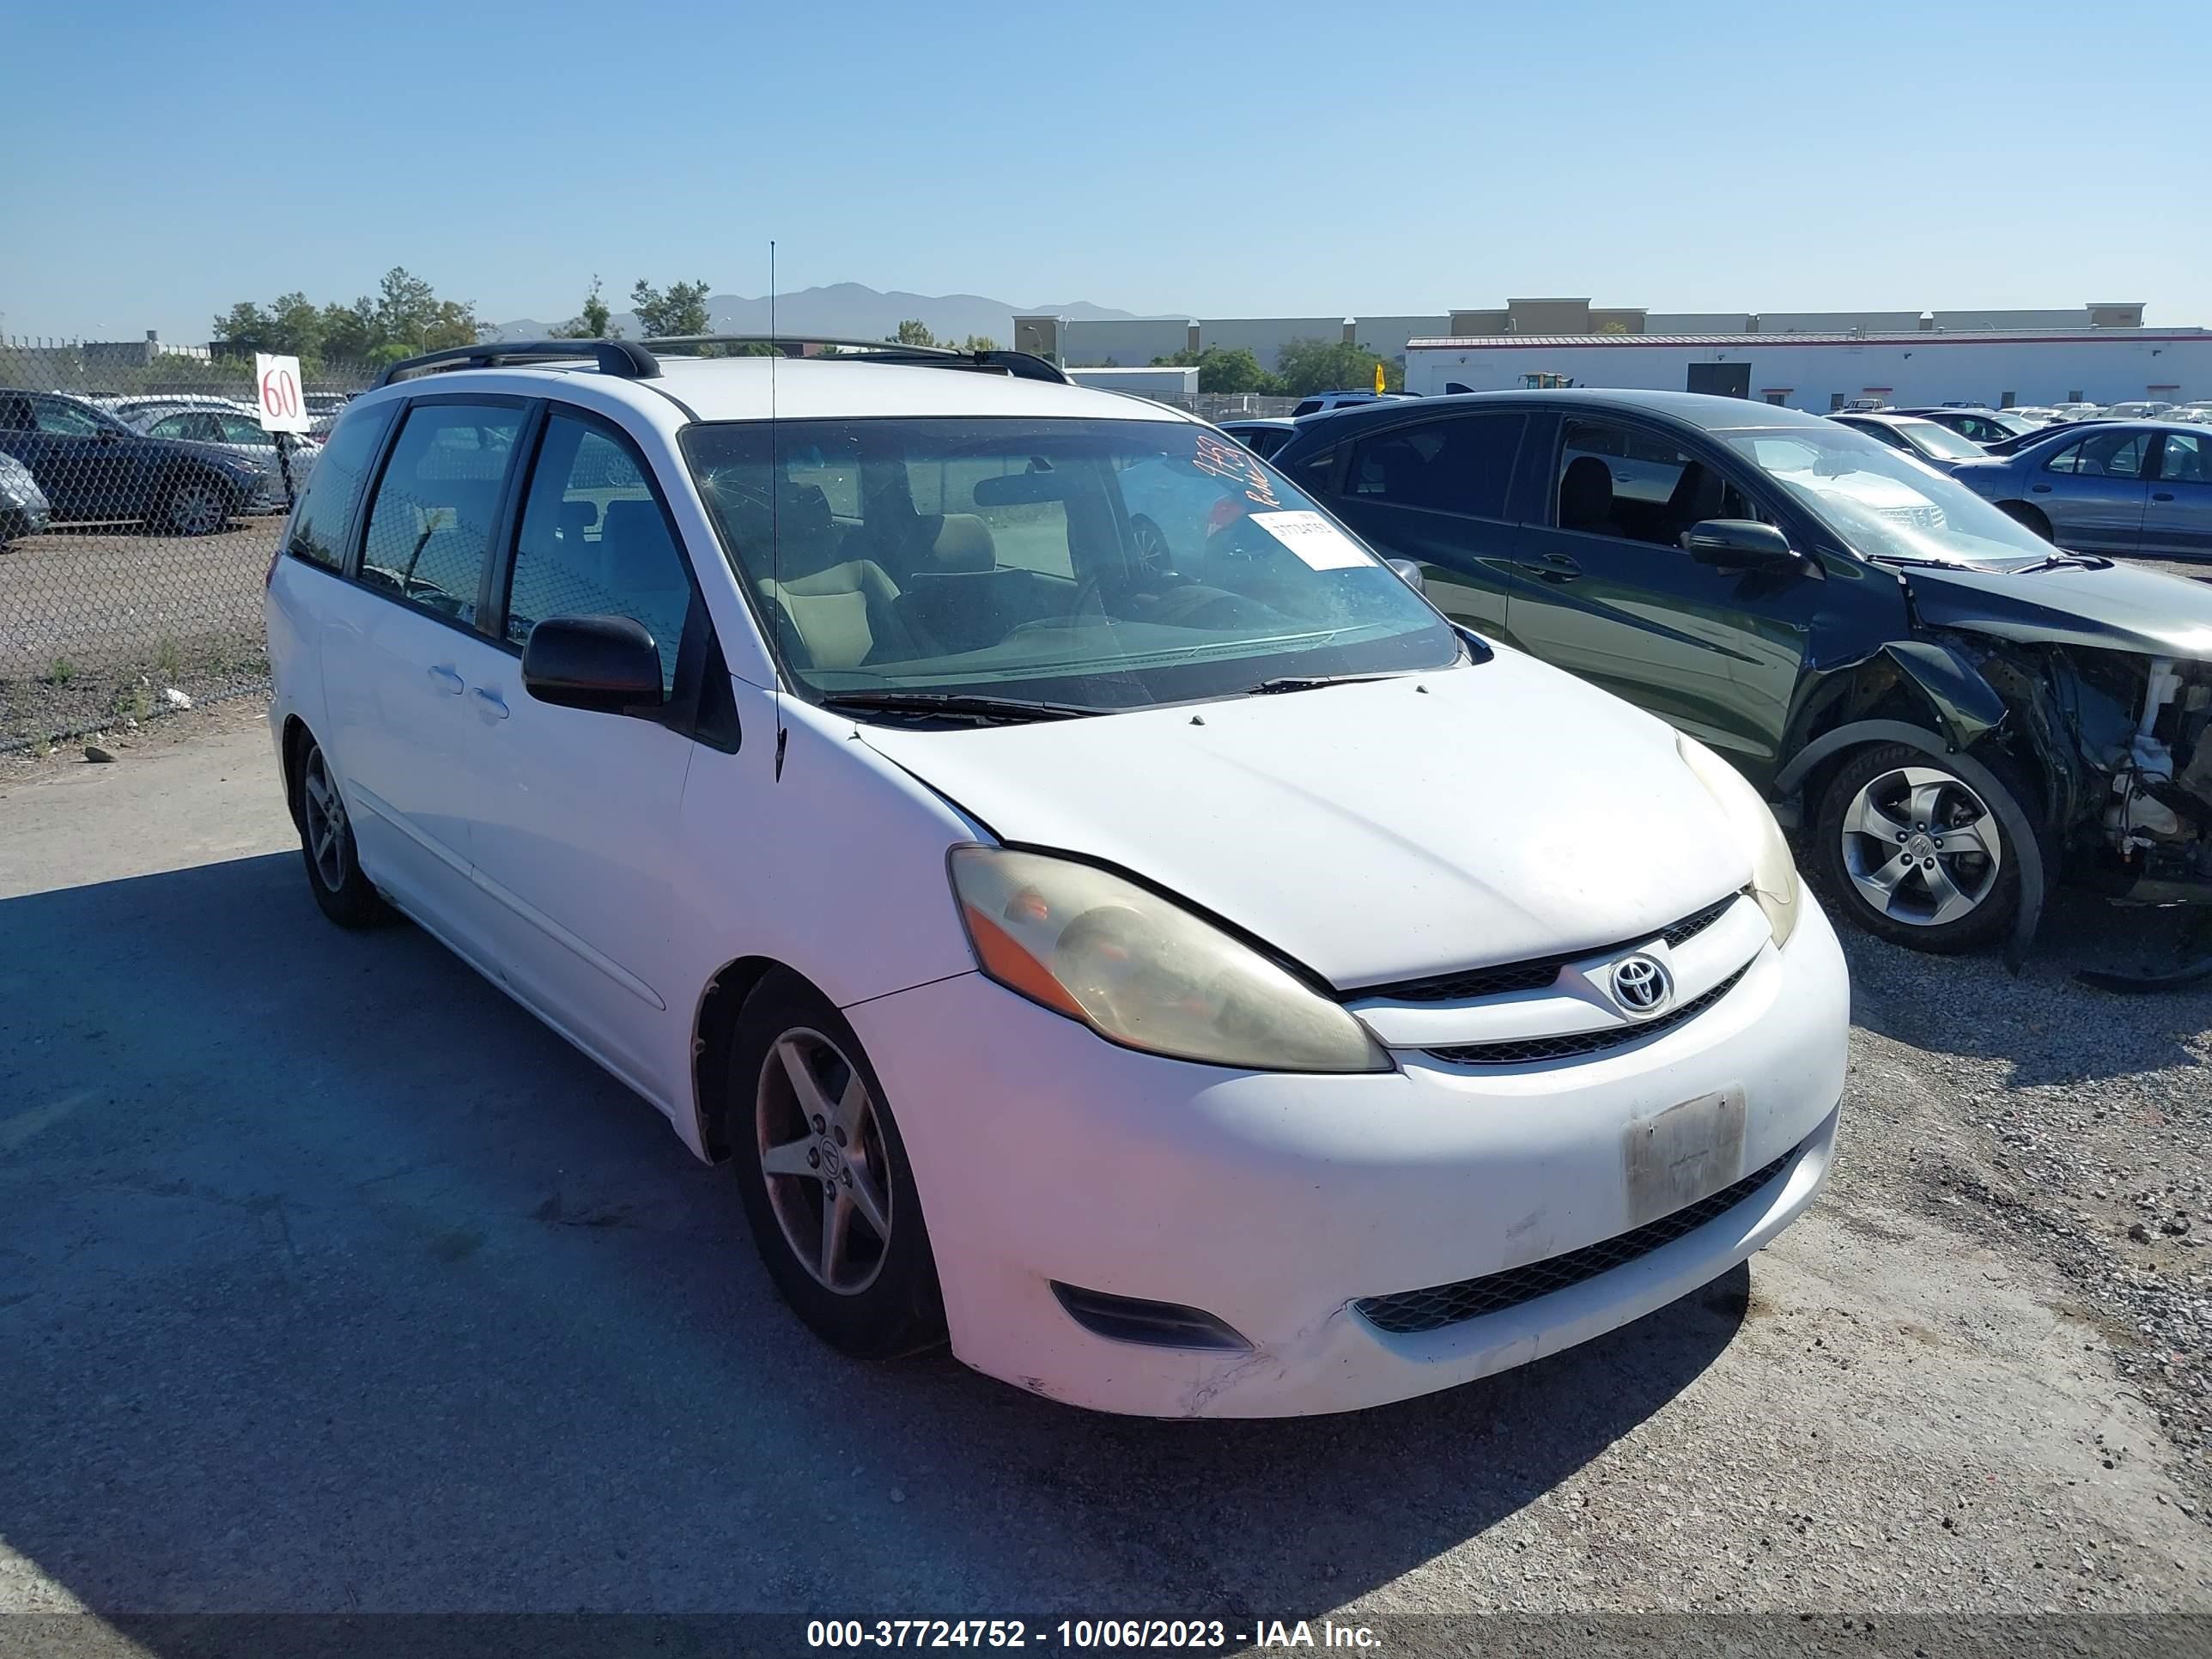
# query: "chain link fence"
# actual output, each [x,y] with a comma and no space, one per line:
[140,503]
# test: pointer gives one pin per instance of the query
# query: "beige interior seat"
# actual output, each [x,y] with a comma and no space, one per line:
[842,617]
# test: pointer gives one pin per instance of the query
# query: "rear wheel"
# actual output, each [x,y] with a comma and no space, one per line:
[197,507]
[824,1177]
[1919,856]
[2032,517]
[345,895]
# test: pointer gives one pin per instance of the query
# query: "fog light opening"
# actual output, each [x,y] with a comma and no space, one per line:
[1154,1324]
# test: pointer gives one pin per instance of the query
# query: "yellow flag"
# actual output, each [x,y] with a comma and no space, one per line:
[1378,378]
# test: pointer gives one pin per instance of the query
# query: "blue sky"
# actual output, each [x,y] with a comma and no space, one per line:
[1298,158]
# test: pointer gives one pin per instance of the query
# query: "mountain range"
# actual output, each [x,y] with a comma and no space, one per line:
[851,311]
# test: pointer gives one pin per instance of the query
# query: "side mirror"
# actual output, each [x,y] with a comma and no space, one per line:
[606,664]
[1408,573]
[1740,544]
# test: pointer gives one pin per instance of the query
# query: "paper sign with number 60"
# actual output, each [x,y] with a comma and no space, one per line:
[283,408]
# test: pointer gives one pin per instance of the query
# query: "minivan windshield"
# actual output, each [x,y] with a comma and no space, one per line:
[1885,504]
[1089,565]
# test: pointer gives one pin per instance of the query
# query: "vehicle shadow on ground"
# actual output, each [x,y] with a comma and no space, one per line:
[2045,1024]
[334,1282]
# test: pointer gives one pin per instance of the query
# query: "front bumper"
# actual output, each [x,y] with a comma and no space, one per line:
[1275,1203]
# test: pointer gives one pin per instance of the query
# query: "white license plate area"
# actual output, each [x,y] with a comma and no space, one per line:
[1685,1152]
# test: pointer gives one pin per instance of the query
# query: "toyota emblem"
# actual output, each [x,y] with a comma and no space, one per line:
[1641,985]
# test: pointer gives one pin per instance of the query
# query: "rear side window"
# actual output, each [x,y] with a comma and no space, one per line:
[429,526]
[594,543]
[322,525]
[1463,464]
[2186,458]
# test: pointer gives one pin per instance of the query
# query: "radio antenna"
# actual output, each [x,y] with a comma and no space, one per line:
[775,506]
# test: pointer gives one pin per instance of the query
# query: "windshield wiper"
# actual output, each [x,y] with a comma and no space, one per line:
[2061,558]
[1309,683]
[956,705]
[1918,564]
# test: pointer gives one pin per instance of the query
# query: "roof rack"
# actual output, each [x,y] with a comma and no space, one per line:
[626,358]
[631,360]
[1021,365]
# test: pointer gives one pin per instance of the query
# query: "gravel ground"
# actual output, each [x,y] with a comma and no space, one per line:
[2065,1124]
[97,622]
[332,1282]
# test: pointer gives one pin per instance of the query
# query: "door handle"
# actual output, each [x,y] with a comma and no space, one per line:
[1558,568]
[489,703]
[2163,496]
[446,680]
[2038,490]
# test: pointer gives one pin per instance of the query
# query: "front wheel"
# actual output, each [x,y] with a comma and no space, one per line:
[197,507]
[823,1175]
[1920,856]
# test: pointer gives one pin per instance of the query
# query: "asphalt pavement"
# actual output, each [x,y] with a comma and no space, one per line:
[330,1281]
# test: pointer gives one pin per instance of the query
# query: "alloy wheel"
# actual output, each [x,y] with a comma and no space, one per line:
[197,509]
[1921,847]
[823,1155]
[324,808]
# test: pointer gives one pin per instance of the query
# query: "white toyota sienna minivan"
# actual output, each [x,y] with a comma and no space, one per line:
[1102,914]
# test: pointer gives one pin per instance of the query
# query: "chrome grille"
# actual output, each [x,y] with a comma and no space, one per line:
[1408,1312]
[1535,974]
[1520,1051]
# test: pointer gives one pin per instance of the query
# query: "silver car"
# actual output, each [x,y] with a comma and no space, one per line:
[236,427]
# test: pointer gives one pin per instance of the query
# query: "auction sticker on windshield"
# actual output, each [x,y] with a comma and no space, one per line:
[1315,540]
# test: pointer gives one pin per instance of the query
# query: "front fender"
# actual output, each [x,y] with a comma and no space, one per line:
[1966,704]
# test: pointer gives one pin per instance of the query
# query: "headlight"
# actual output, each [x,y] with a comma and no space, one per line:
[1773,873]
[1143,972]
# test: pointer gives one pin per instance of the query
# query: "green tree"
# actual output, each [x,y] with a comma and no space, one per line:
[288,324]
[406,311]
[1310,365]
[913,331]
[978,342]
[1228,369]
[680,309]
[348,331]
[593,322]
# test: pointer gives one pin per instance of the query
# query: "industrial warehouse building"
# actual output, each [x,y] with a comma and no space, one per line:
[1821,371]
[1815,360]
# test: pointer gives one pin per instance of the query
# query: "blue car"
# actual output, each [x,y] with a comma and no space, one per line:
[2141,487]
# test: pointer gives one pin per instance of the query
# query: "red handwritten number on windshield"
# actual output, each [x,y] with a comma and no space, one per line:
[279,393]
[1226,458]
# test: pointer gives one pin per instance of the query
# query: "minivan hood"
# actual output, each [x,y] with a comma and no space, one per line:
[1373,831]
[2119,607]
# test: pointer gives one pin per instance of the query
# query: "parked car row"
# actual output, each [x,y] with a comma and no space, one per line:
[184,472]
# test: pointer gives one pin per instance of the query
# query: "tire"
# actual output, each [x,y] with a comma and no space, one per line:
[877,1296]
[1877,833]
[2032,518]
[197,505]
[1154,556]
[345,893]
